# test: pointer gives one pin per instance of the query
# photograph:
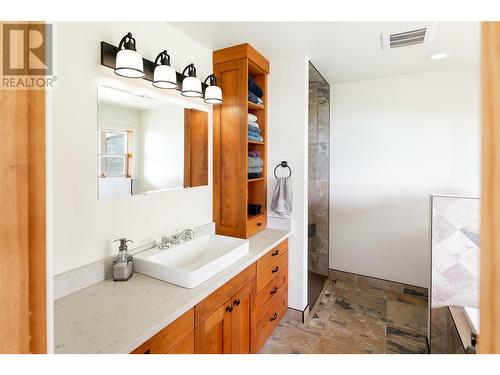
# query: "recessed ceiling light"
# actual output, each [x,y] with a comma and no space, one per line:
[437,56]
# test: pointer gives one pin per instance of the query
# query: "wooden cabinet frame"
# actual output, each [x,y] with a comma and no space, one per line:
[22,220]
[489,337]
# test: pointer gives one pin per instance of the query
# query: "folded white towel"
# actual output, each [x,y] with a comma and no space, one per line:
[252,117]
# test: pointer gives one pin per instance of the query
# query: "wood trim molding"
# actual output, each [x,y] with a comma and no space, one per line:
[489,337]
[36,222]
[241,51]
[22,221]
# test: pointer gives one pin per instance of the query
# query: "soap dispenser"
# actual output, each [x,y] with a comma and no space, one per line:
[122,264]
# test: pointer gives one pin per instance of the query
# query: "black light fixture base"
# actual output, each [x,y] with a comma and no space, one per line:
[108,59]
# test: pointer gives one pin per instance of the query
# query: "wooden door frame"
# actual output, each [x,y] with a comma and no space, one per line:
[23,319]
[489,338]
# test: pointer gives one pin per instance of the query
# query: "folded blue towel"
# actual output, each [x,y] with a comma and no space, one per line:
[254,175]
[254,129]
[254,98]
[255,170]
[255,162]
[253,123]
[254,138]
[254,134]
[254,88]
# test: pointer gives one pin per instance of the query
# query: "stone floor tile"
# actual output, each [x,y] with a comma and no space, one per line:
[329,346]
[401,341]
[353,318]
[407,316]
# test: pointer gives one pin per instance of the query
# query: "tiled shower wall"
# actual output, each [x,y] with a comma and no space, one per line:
[455,263]
[455,251]
[319,171]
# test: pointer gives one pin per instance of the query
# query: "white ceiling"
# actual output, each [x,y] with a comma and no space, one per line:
[346,51]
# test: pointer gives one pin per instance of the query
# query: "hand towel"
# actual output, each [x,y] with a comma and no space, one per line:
[255,162]
[254,154]
[252,117]
[282,197]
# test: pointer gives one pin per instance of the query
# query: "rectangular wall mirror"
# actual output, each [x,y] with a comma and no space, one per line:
[145,144]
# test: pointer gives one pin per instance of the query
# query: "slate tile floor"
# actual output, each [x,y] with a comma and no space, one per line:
[357,314]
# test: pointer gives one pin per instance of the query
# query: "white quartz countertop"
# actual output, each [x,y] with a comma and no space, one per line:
[116,317]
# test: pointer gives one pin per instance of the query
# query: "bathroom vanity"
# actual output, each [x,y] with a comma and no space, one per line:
[233,312]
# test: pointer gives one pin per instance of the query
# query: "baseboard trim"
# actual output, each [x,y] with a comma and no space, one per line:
[378,278]
[302,314]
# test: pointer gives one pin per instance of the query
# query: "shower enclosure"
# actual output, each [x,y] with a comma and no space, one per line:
[318,183]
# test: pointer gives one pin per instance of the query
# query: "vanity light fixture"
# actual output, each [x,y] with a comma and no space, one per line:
[213,93]
[128,60]
[191,85]
[164,76]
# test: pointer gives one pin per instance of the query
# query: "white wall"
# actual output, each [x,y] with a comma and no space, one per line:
[395,141]
[81,227]
[287,140]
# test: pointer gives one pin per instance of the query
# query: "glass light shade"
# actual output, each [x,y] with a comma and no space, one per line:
[129,64]
[191,87]
[164,77]
[213,95]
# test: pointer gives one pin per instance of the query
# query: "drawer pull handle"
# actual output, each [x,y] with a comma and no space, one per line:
[275,316]
[236,302]
[276,269]
[259,224]
[274,290]
[229,308]
[275,253]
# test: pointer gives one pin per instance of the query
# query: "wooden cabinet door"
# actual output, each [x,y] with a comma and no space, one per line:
[241,320]
[213,335]
[185,346]
[195,148]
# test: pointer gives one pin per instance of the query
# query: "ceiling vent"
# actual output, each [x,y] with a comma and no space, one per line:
[412,37]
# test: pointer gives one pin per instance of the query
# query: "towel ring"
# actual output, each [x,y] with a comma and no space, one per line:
[283,164]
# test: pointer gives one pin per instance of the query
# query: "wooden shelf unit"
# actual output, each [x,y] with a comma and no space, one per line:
[233,190]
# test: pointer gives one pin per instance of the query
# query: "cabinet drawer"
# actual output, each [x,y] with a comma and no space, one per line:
[210,304]
[168,337]
[271,316]
[275,269]
[272,290]
[271,256]
[256,224]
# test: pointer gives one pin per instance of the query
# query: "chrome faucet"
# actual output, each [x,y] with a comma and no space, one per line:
[176,238]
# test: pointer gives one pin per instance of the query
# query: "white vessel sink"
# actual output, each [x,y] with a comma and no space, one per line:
[191,263]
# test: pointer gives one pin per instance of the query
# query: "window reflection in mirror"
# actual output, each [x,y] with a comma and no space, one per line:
[146,144]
